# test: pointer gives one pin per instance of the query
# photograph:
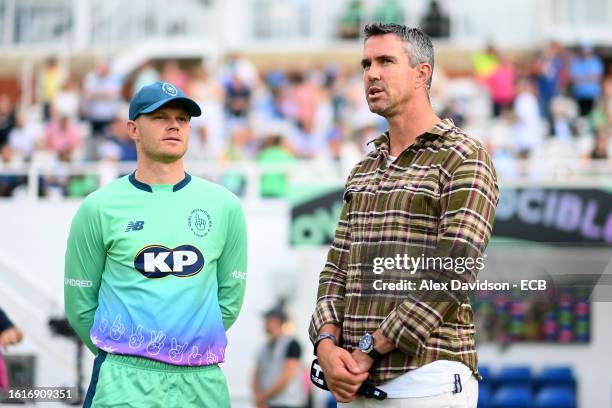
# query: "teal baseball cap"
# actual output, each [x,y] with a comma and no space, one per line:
[152,97]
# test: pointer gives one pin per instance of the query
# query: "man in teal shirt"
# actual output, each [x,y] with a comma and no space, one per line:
[156,269]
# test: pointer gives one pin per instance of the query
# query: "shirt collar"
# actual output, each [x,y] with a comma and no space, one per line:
[381,143]
[146,187]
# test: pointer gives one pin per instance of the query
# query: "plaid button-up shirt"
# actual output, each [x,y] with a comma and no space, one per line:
[437,197]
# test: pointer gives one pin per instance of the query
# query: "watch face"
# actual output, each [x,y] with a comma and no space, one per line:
[366,341]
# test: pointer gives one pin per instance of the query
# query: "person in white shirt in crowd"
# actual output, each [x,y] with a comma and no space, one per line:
[102,97]
[527,131]
[26,137]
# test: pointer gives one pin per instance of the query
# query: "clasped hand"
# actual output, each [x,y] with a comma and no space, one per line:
[344,371]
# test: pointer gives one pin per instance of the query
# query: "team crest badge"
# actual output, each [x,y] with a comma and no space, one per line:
[169,89]
[200,222]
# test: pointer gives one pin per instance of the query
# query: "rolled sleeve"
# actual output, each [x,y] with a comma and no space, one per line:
[332,280]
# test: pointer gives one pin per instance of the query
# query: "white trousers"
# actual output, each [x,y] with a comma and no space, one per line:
[467,398]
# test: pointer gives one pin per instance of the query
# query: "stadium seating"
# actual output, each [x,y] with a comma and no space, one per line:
[518,387]
[485,372]
[555,397]
[556,376]
[514,396]
[514,375]
[485,395]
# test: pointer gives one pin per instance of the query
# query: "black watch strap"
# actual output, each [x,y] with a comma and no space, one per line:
[375,355]
[322,336]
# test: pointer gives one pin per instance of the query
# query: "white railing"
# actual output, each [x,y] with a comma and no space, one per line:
[566,173]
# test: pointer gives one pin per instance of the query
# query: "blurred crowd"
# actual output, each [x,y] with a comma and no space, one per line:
[281,116]
[560,92]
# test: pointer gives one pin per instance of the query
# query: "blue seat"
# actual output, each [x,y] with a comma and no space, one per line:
[556,376]
[484,395]
[487,376]
[556,397]
[512,397]
[514,375]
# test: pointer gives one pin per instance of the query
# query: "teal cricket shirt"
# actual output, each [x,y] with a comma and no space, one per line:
[157,271]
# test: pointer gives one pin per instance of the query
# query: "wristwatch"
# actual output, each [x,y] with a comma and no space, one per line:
[366,345]
[323,336]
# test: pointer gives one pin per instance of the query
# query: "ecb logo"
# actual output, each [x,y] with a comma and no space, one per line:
[158,261]
[169,89]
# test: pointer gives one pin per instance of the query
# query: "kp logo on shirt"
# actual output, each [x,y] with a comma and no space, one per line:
[158,261]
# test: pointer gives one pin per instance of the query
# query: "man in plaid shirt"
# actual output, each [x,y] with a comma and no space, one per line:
[426,191]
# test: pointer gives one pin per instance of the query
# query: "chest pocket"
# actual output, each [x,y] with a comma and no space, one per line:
[352,191]
[356,197]
[412,205]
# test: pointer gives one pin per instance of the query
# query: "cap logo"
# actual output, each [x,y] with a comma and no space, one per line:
[169,89]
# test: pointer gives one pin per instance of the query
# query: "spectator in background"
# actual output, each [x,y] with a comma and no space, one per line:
[9,335]
[241,143]
[207,129]
[350,22]
[600,147]
[272,102]
[547,69]
[485,62]
[277,381]
[435,23]
[198,135]
[563,111]
[7,118]
[302,100]
[52,79]
[237,65]
[174,74]
[501,86]
[240,147]
[586,72]
[8,182]
[239,78]
[601,115]
[25,137]
[309,143]
[63,137]
[68,100]
[527,128]
[345,147]
[389,11]
[237,97]
[145,74]
[453,112]
[117,135]
[334,81]
[101,97]
[274,152]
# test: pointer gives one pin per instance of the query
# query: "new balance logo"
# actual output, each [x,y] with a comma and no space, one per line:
[134,226]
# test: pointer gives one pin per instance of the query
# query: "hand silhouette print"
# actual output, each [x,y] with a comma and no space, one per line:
[156,343]
[195,358]
[103,324]
[200,223]
[176,352]
[211,358]
[136,338]
[117,329]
